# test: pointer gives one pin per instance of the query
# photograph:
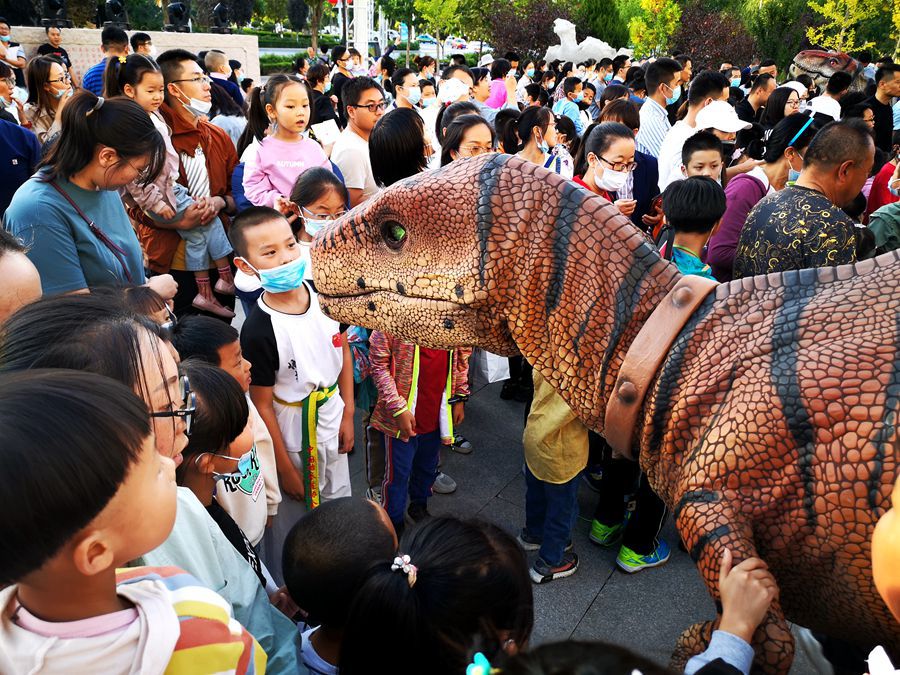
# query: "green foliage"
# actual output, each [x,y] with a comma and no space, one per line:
[144,15]
[841,21]
[601,19]
[712,37]
[438,16]
[652,31]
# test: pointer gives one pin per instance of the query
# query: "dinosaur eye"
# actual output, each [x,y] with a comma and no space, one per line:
[394,234]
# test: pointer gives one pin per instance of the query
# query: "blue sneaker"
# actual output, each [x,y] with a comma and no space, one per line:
[632,562]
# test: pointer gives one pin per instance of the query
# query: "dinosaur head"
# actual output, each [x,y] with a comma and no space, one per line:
[820,65]
[422,260]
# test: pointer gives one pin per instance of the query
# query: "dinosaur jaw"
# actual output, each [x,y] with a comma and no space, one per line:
[438,324]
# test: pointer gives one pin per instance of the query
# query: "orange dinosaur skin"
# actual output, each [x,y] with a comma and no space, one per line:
[770,428]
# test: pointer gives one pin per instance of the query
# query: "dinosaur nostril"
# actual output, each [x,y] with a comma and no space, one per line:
[361,283]
[458,290]
[371,306]
[401,289]
[448,324]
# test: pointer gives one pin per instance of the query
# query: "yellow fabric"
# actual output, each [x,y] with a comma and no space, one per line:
[178,262]
[202,610]
[556,441]
[222,659]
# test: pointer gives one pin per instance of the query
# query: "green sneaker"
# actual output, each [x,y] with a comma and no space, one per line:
[631,562]
[606,535]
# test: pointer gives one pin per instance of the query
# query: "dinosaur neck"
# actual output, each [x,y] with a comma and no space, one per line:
[605,279]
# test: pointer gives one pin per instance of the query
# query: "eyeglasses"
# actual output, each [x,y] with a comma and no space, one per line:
[793,103]
[619,166]
[171,321]
[322,216]
[188,407]
[64,78]
[371,107]
[141,173]
[473,149]
[203,79]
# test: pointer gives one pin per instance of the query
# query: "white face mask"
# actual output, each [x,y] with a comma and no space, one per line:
[196,106]
[611,181]
[152,51]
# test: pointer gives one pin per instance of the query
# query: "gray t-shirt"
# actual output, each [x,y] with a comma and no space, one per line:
[68,256]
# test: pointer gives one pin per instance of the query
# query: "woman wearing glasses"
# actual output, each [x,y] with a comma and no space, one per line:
[49,89]
[467,136]
[604,162]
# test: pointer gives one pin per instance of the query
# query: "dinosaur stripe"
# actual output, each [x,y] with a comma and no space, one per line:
[695,497]
[714,420]
[888,428]
[566,218]
[708,538]
[799,289]
[488,182]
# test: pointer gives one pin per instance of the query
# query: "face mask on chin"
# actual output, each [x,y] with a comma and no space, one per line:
[195,106]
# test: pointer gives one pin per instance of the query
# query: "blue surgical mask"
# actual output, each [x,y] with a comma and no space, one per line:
[62,92]
[607,77]
[735,82]
[793,175]
[284,278]
[5,38]
[428,102]
[894,188]
[530,72]
[414,96]
[543,146]
[312,225]
[676,94]
[579,97]
[4,103]
[327,87]
[244,462]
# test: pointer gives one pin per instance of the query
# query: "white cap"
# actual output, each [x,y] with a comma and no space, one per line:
[485,60]
[720,115]
[801,89]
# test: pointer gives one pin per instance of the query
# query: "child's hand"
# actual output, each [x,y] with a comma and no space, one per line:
[166,212]
[407,422]
[345,434]
[292,484]
[285,206]
[747,592]
[459,413]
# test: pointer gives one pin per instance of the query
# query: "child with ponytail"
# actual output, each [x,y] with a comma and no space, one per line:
[165,200]
[286,152]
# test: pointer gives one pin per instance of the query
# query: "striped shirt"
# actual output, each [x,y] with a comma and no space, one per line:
[654,127]
[93,78]
[196,172]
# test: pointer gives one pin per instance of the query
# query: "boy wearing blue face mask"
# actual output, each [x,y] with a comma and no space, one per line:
[568,106]
[301,373]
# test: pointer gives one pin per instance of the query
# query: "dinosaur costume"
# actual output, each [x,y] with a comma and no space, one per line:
[769,427]
[821,65]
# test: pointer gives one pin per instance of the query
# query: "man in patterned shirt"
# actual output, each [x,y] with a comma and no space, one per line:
[803,225]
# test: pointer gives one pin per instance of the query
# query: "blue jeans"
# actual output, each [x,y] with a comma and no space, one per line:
[410,468]
[550,513]
[202,243]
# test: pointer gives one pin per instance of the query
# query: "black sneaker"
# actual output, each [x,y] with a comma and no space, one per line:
[541,572]
[417,513]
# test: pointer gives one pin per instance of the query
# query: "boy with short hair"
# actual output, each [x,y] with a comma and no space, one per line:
[568,106]
[327,555]
[302,373]
[75,510]
[703,155]
[215,342]
[693,209]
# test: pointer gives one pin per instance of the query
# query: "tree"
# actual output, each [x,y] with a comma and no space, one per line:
[438,15]
[652,31]
[239,11]
[842,18]
[713,37]
[298,14]
[895,32]
[402,11]
[275,9]
[525,26]
[792,17]
[601,19]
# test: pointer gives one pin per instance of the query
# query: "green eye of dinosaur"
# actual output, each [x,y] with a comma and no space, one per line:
[394,234]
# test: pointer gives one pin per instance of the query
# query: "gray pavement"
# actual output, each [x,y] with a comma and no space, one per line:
[645,612]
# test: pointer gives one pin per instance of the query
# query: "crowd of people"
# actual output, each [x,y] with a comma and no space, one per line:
[143,198]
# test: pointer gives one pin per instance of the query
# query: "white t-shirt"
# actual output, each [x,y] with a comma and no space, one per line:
[670,153]
[351,154]
[826,106]
[316,664]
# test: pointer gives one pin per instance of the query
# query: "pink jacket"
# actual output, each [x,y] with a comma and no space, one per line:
[160,192]
[278,163]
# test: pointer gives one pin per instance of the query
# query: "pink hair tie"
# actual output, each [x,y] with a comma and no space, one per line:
[402,563]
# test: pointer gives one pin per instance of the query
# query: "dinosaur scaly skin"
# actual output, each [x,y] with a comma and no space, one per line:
[820,65]
[770,427]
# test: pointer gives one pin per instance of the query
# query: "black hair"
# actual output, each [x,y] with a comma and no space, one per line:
[426,83]
[79,470]
[142,300]
[856,111]
[338,52]
[838,82]
[605,63]
[537,93]
[459,59]
[694,204]
[131,72]
[511,56]
[889,67]
[223,103]
[566,127]
[479,74]
[531,117]
[139,39]
[354,89]
[706,84]
[774,112]
[298,65]
[659,72]
[449,70]
[637,83]
[200,338]
[119,123]
[699,142]
[839,142]
[113,36]
[400,75]
[784,133]
[328,554]
[314,183]
[619,62]
[597,139]
[316,74]
[574,657]
[548,75]
[455,132]
[387,64]
[805,80]
[499,68]
[567,67]
[10,243]
[423,62]
[246,84]
[257,117]
[767,63]
[4,21]
[5,71]
[471,587]
[505,123]
[397,146]
[856,208]
[222,410]
[622,110]
[633,72]
[762,82]
[683,59]
[246,219]
[611,93]
[446,115]
[569,84]
[170,64]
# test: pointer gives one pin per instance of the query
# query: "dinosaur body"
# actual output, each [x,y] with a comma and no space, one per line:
[820,65]
[770,428]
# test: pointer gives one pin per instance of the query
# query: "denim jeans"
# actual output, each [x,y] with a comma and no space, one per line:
[550,513]
[410,469]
